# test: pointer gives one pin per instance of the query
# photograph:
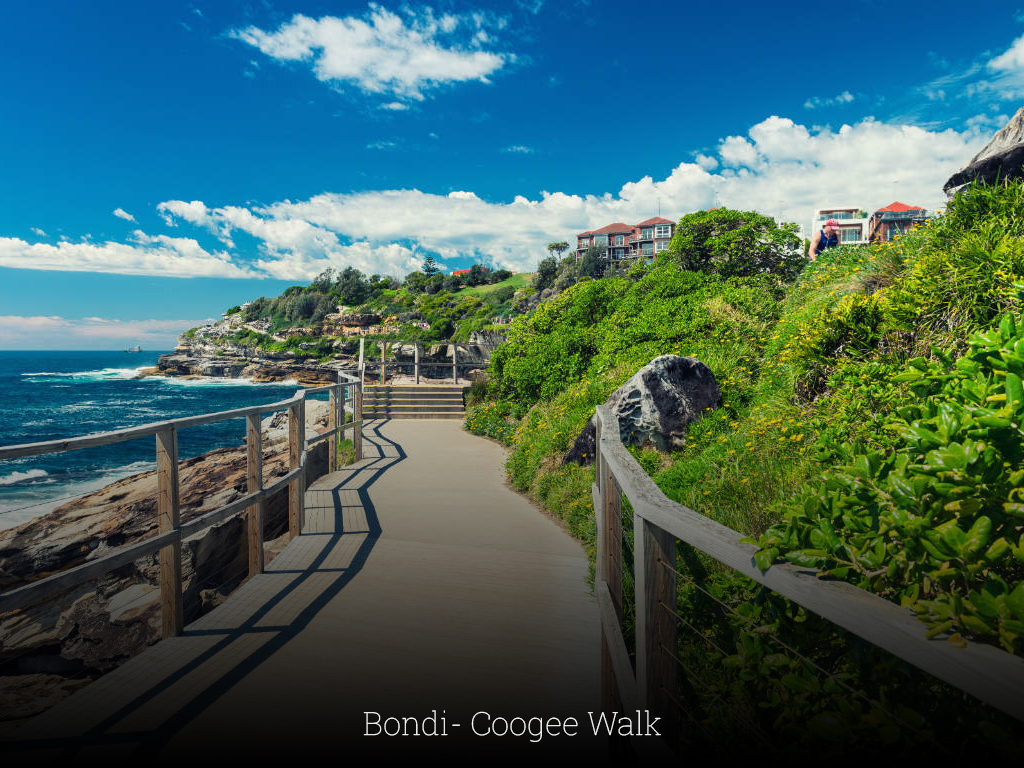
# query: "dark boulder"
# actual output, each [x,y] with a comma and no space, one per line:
[1002,158]
[656,406]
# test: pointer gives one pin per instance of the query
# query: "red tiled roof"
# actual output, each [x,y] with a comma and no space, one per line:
[618,226]
[898,207]
[653,220]
[584,234]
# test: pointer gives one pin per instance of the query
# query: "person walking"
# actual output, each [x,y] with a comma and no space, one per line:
[826,237]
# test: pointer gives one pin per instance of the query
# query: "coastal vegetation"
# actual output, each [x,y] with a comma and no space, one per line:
[870,427]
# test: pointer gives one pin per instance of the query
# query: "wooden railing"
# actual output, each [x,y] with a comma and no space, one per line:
[987,673]
[415,365]
[171,531]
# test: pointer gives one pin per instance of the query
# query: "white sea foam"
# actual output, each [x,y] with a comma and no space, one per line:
[22,477]
[241,381]
[20,509]
[102,374]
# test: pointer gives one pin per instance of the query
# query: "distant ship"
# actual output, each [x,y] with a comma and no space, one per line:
[133,350]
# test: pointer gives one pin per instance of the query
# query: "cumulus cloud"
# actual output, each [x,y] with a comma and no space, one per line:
[779,165]
[38,231]
[817,101]
[383,53]
[121,213]
[56,332]
[520,149]
[143,255]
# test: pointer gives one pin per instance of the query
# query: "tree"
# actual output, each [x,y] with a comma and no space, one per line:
[546,271]
[477,275]
[430,266]
[557,249]
[591,265]
[736,243]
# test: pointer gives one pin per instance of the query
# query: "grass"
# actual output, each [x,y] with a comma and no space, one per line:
[516,281]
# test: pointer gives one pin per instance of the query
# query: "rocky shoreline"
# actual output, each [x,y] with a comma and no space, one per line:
[204,359]
[52,648]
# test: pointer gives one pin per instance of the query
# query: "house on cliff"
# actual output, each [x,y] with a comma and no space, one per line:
[895,219]
[620,241]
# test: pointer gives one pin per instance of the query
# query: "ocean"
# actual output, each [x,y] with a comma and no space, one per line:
[50,395]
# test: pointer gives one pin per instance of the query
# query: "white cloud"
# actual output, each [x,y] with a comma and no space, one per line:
[145,255]
[394,106]
[705,162]
[779,164]
[1010,60]
[382,144]
[123,214]
[817,101]
[55,332]
[38,231]
[383,53]
[520,149]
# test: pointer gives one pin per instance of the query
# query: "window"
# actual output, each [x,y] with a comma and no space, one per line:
[661,245]
[619,240]
[849,234]
[645,234]
[584,242]
[648,249]
[663,230]
[601,240]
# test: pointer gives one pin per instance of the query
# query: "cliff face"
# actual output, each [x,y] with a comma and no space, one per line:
[50,649]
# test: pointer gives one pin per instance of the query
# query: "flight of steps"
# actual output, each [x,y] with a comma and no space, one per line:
[396,401]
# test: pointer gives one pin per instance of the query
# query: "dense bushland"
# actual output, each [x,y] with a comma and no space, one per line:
[870,427]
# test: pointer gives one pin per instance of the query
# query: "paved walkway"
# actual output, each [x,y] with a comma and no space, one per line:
[420,584]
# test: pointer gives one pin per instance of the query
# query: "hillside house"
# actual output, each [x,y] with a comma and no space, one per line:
[620,241]
[895,219]
[853,223]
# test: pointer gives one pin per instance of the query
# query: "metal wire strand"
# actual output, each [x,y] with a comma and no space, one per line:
[810,661]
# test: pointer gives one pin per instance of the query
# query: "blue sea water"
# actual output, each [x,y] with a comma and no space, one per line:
[50,395]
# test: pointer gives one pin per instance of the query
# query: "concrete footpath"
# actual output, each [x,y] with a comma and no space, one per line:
[422,587]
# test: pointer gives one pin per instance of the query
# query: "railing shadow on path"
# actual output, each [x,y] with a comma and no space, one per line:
[182,677]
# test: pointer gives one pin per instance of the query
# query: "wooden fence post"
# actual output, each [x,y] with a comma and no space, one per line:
[382,347]
[254,483]
[168,506]
[455,363]
[357,417]
[416,361]
[297,487]
[654,552]
[332,422]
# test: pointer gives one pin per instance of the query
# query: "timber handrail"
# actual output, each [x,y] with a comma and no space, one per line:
[985,672]
[172,532]
[415,364]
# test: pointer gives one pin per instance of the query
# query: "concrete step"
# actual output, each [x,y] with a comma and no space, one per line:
[416,415]
[409,401]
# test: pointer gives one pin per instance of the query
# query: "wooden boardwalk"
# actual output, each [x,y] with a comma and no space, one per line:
[420,583]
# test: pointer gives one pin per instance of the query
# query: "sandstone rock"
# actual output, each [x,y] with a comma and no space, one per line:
[1002,158]
[655,406]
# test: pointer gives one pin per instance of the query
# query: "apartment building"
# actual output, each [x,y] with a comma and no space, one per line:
[620,241]
[853,223]
[895,219]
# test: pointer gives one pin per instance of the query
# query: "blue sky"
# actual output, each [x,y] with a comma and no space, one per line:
[161,162]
